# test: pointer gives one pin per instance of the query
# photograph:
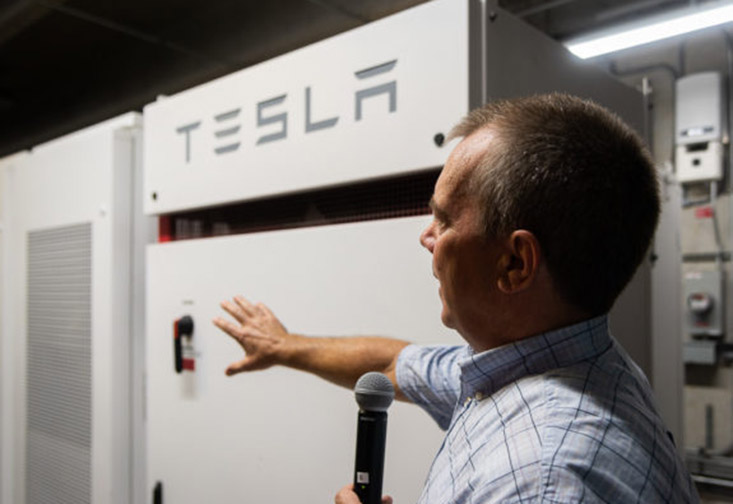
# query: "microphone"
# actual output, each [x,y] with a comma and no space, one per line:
[374,393]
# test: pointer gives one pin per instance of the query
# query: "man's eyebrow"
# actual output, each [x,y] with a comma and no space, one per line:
[438,211]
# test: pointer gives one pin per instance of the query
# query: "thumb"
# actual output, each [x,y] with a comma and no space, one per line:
[246,364]
[386,499]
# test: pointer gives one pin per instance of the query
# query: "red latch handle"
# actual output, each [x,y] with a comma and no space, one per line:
[182,327]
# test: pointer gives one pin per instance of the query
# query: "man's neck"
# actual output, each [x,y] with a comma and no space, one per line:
[518,325]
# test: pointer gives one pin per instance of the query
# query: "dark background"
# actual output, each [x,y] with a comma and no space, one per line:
[67,64]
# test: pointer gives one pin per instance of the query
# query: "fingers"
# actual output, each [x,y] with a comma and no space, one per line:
[228,327]
[234,311]
[247,308]
[262,308]
[346,496]
[239,333]
[240,309]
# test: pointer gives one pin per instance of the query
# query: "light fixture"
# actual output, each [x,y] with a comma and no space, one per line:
[634,34]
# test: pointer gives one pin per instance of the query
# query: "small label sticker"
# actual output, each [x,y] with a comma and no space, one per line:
[189,364]
[362,477]
[704,213]
[189,352]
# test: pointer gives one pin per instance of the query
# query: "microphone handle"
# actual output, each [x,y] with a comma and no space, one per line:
[371,436]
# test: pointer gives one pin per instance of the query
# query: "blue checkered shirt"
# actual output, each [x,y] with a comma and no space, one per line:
[562,417]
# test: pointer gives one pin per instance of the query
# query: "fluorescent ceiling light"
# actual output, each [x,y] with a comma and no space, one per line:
[650,30]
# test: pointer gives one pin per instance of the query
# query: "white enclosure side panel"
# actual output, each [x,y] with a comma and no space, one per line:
[13,345]
[80,179]
[3,350]
[280,435]
[145,231]
[8,276]
[111,478]
[522,61]
[360,105]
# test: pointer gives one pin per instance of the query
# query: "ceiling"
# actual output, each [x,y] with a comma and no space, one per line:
[67,64]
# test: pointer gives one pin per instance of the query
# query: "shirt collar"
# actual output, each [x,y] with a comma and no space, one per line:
[489,371]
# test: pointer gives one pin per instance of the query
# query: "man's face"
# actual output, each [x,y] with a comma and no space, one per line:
[463,258]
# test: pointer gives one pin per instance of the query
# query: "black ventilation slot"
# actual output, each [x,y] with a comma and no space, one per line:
[388,198]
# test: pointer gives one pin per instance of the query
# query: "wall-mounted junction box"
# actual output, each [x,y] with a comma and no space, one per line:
[700,127]
[704,303]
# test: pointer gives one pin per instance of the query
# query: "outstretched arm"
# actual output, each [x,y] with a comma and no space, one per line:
[267,343]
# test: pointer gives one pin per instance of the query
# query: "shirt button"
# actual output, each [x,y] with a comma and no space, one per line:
[479,396]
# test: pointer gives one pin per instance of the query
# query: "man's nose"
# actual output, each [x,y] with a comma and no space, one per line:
[427,238]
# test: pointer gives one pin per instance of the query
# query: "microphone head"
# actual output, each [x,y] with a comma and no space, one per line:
[374,392]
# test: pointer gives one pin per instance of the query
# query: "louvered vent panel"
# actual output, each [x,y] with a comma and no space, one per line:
[59,373]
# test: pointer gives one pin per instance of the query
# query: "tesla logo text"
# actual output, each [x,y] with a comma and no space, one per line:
[227,124]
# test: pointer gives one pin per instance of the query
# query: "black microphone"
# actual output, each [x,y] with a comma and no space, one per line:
[374,393]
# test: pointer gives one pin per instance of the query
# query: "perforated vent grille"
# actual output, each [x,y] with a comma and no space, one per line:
[398,196]
[58,457]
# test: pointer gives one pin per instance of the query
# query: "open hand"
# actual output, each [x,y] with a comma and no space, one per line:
[258,331]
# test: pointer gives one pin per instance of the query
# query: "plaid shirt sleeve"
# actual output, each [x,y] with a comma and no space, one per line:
[430,377]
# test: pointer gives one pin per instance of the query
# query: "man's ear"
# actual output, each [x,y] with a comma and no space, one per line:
[520,262]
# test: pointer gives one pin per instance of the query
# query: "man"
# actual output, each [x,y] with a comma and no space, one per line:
[542,214]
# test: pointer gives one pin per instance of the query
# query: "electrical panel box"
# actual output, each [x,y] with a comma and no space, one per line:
[215,438]
[368,103]
[708,418]
[700,115]
[334,106]
[699,162]
[700,108]
[705,306]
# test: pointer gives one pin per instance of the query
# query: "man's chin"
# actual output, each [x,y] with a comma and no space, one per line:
[446,319]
